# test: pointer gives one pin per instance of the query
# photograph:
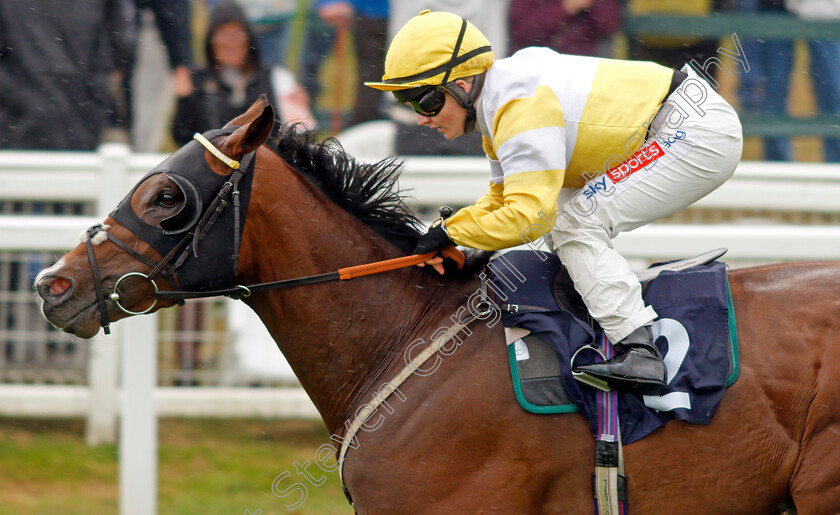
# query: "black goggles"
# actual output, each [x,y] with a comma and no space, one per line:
[426,100]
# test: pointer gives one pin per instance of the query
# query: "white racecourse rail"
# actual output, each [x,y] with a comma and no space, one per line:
[105,176]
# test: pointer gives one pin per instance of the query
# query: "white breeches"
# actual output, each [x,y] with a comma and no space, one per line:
[699,145]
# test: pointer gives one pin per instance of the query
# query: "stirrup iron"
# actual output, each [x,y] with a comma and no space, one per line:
[585,377]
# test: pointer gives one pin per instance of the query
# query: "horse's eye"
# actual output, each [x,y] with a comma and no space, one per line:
[167,199]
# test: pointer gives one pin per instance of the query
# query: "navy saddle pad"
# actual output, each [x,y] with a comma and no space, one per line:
[695,332]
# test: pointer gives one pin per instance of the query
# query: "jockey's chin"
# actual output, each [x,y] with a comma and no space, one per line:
[451,134]
[449,122]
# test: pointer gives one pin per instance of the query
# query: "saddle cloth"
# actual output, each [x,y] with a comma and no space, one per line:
[695,332]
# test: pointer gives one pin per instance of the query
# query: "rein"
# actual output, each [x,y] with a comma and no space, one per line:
[342,274]
[165,268]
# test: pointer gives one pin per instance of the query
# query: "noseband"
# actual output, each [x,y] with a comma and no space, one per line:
[174,245]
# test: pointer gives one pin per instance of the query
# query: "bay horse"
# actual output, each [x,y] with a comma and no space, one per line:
[454,440]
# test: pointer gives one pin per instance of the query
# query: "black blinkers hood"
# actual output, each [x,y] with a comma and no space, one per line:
[213,268]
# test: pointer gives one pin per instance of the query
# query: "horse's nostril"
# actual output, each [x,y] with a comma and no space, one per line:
[59,285]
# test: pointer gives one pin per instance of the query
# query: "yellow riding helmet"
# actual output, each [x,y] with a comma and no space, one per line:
[434,48]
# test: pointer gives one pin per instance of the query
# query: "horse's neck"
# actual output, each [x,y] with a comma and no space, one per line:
[339,337]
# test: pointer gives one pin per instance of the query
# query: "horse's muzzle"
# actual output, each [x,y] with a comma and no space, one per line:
[62,307]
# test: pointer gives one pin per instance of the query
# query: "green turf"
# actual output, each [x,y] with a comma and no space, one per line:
[205,467]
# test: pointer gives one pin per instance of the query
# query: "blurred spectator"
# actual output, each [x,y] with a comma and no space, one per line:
[271,21]
[233,79]
[368,22]
[54,68]
[825,64]
[765,88]
[581,27]
[172,18]
[673,51]
[318,40]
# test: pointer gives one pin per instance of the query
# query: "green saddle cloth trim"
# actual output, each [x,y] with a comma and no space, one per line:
[520,396]
[733,340]
[735,368]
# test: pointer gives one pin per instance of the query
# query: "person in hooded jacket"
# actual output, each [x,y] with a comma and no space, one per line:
[54,68]
[233,79]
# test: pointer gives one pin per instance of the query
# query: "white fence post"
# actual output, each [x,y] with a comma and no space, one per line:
[101,424]
[138,421]
[113,179]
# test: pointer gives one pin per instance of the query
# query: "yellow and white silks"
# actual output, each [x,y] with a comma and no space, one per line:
[553,124]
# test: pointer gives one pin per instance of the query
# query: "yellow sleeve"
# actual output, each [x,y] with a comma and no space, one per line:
[487,228]
[493,199]
[529,143]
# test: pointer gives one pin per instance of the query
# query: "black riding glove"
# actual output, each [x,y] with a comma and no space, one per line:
[435,239]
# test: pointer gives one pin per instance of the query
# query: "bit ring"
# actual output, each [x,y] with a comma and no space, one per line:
[115,296]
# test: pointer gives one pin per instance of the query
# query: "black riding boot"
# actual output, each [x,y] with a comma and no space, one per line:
[636,366]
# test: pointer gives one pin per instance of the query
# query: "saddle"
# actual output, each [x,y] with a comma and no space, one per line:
[566,296]
[569,299]
[546,324]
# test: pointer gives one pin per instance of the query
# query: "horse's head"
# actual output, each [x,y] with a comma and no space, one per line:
[179,228]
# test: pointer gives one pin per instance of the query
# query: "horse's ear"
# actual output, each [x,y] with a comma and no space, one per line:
[252,112]
[250,136]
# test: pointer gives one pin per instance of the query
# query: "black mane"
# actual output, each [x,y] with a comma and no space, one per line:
[368,191]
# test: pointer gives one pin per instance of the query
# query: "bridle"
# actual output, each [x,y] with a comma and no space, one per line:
[174,259]
[181,249]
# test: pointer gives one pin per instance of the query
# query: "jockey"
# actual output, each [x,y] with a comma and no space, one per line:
[580,149]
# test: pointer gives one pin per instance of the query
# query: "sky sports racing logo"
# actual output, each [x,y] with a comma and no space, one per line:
[641,159]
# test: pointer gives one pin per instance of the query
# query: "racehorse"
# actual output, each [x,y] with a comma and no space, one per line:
[452,439]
